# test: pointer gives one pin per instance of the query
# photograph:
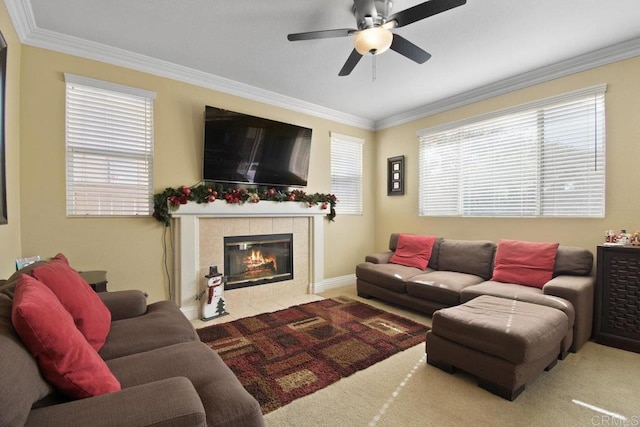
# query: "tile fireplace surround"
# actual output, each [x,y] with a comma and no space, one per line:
[199,237]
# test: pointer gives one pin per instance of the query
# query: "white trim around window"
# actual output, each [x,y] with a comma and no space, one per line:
[109,148]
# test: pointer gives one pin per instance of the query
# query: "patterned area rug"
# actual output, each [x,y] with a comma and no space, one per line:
[288,354]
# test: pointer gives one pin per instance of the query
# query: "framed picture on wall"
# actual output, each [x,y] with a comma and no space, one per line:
[3,176]
[395,176]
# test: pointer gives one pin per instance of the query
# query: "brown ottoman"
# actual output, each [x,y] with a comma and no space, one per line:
[504,343]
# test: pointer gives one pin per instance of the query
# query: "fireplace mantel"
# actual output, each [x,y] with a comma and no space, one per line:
[186,217]
[261,209]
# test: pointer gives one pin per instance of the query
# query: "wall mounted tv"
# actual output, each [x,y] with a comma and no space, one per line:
[248,150]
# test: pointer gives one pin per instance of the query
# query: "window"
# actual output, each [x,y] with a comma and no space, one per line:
[109,148]
[540,159]
[346,173]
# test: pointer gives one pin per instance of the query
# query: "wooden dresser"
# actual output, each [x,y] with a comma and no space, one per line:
[617,298]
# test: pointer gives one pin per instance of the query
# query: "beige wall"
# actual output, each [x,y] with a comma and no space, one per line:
[130,249]
[399,213]
[10,246]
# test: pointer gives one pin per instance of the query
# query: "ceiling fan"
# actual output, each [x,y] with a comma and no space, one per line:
[373,36]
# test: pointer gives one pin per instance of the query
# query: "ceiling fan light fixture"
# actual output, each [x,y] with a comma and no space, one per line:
[374,40]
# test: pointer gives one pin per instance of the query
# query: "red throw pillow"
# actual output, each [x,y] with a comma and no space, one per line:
[413,250]
[63,354]
[89,313]
[524,263]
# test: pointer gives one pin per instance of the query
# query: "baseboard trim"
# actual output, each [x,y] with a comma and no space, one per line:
[191,312]
[334,282]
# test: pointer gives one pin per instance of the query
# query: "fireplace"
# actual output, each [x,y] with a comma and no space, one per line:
[200,229]
[257,260]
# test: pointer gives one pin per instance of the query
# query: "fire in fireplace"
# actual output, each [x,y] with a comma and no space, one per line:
[256,260]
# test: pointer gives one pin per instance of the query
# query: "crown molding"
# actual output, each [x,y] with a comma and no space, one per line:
[22,17]
[597,58]
[80,47]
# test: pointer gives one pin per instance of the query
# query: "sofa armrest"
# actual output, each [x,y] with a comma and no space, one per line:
[379,258]
[169,402]
[578,290]
[124,304]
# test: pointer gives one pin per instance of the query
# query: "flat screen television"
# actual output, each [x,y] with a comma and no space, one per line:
[243,149]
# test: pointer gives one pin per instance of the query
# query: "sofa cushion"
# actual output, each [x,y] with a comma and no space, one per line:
[163,324]
[124,304]
[524,263]
[166,403]
[21,382]
[554,302]
[63,354]
[467,256]
[441,286]
[225,400]
[573,261]
[393,241]
[497,289]
[389,276]
[88,311]
[519,293]
[413,250]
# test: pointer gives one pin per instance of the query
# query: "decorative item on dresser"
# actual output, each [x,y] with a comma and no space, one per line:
[617,308]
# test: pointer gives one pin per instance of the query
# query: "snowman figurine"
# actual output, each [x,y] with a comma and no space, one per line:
[213,303]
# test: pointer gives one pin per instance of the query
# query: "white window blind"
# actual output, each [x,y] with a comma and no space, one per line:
[109,148]
[346,173]
[540,159]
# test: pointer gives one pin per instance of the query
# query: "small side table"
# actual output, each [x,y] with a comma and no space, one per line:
[97,279]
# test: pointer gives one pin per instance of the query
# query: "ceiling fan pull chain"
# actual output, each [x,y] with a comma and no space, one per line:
[373,69]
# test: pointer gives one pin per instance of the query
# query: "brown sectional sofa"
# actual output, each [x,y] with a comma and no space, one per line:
[460,270]
[168,377]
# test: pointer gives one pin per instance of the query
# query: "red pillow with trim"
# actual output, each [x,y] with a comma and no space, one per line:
[413,250]
[89,313]
[524,263]
[63,354]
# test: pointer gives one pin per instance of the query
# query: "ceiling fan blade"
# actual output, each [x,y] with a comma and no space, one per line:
[424,10]
[324,34]
[351,63]
[406,48]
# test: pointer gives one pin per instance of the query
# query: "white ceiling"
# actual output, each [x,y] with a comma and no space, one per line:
[480,49]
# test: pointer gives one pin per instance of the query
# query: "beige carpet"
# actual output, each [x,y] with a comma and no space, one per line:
[404,391]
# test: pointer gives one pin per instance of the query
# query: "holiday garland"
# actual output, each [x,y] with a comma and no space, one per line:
[171,198]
